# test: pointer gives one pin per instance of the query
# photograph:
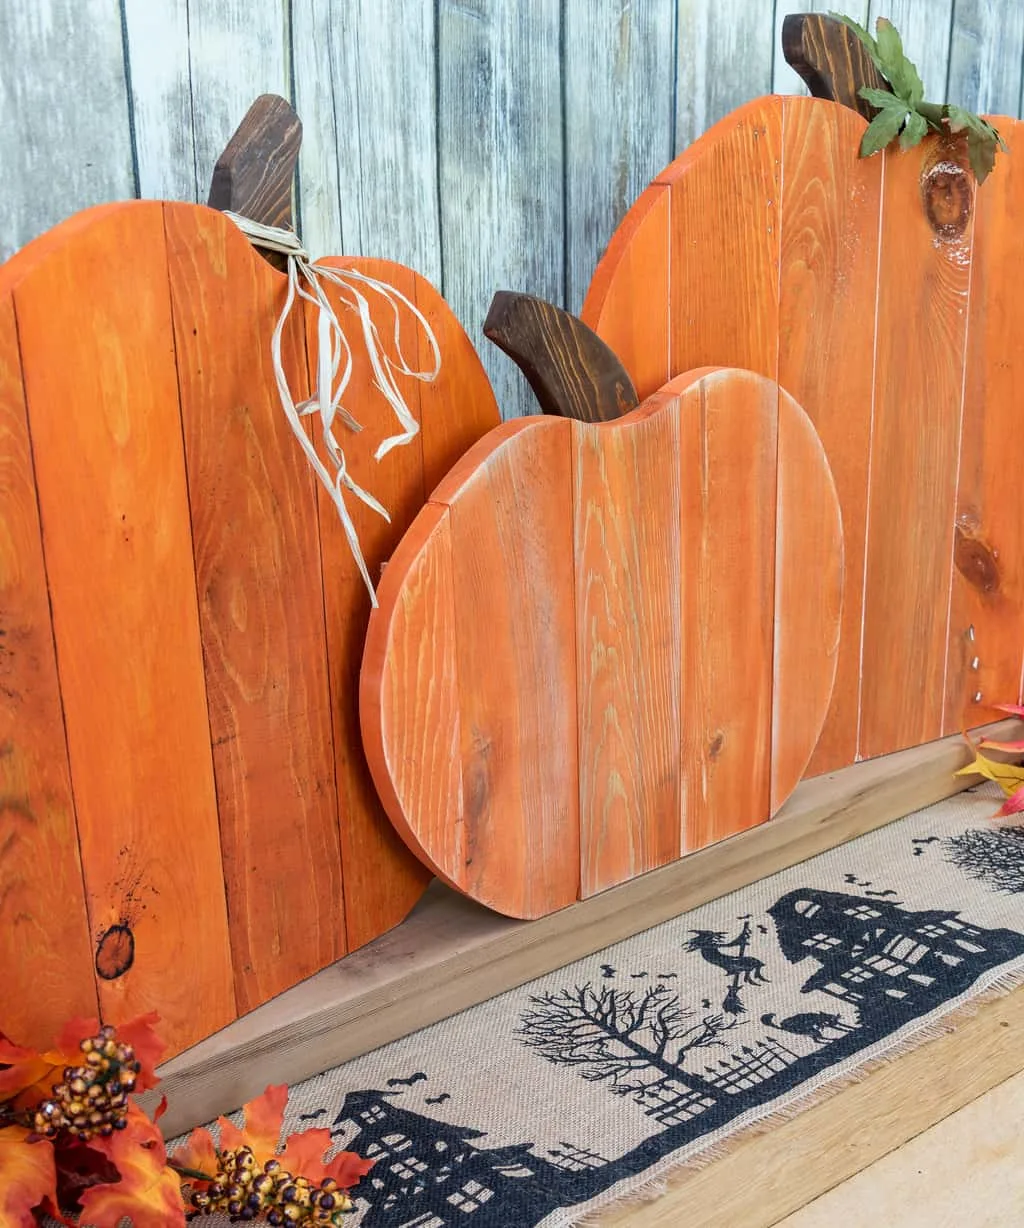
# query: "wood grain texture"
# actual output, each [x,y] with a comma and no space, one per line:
[924,270]
[70,145]
[728,444]
[785,79]
[452,954]
[724,53]
[827,282]
[985,53]
[618,65]
[986,625]
[261,607]
[809,589]
[45,949]
[627,527]
[110,476]
[636,269]
[499,87]
[724,274]
[832,60]
[572,372]
[515,625]
[255,174]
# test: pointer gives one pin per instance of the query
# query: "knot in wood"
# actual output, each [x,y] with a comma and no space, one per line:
[976,562]
[115,952]
[947,197]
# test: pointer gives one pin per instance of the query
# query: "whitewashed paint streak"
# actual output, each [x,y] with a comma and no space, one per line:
[724,58]
[502,170]
[158,56]
[986,49]
[924,26]
[65,140]
[619,64]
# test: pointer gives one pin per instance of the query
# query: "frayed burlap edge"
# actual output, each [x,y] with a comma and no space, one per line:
[658,1180]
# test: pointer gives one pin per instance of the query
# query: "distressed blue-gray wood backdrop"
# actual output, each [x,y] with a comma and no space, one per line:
[487,143]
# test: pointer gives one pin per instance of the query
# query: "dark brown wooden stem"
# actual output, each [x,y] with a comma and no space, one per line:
[254,174]
[572,372]
[831,59]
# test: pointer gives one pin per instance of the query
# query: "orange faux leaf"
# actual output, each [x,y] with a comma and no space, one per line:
[303,1155]
[28,1177]
[141,1034]
[20,1069]
[198,1155]
[149,1192]
[262,1131]
[348,1169]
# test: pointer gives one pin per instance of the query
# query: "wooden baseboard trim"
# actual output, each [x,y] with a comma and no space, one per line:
[766,1176]
[450,953]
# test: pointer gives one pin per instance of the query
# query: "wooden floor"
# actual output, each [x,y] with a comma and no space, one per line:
[966,1171]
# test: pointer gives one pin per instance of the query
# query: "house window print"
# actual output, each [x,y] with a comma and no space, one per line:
[408,1168]
[909,950]
[429,1220]
[862,910]
[471,1197]
[806,908]
[882,963]
[822,942]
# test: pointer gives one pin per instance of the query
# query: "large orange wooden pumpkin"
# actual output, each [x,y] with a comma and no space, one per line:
[187,820]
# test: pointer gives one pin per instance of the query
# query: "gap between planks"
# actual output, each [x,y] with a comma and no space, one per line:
[451,953]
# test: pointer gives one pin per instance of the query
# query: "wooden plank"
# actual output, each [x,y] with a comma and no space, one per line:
[512,545]
[156,41]
[452,954]
[110,475]
[829,275]
[255,174]
[768,1174]
[725,50]
[636,268]
[45,951]
[382,878]
[410,692]
[724,246]
[728,447]
[925,28]
[70,145]
[985,52]
[839,62]
[261,608]
[499,87]
[809,582]
[619,76]
[924,270]
[986,625]
[365,89]
[252,39]
[627,646]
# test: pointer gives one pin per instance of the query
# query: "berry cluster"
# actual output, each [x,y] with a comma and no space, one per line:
[93,1098]
[245,1191]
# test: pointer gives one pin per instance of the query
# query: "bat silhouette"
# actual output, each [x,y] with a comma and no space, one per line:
[437,1099]
[880,894]
[418,1077]
[763,929]
[918,852]
[312,1116]
[668,976]
[607,971]
[706,1003]
[925,840]
[636,976]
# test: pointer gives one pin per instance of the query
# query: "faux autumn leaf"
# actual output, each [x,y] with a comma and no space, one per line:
[148,1193]
[304,1155]
[263,1119]
[198,1155]
[1011,710]
[28,1176]
[79,1167]
[1008,776]
[141,1035]
[27,1076]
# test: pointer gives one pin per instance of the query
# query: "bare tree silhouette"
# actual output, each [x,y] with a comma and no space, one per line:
[612,1033]
[992,855]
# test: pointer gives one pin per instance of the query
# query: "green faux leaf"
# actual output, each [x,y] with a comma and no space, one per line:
[883,100]
[869,43]
[981,153]
[885,127]
[900,72]
[914,131]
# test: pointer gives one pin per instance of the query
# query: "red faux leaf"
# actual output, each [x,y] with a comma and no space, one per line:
[348,1169]
[304,1156]
[148,1193]
[262,1131]
[141,1034]
[79,1167]
[1014,804]
[1012,709]
[198,1155]
[27,1177]
[72,1034]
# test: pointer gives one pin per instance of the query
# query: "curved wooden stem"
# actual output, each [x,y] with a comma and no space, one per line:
[572,372]
[831,59]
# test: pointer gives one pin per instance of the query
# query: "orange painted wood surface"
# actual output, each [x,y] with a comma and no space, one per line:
[986,628]
[827,280]
[205,635]
[382,878]
[627,633]
[42,895]
[97,355]
[728,445]
[920,330]
[261,607]
[609,690]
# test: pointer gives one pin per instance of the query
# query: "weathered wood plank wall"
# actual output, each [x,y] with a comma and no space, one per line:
[488,143]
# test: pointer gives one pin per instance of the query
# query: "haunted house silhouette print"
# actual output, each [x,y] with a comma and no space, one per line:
[880,957]
[888,966]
